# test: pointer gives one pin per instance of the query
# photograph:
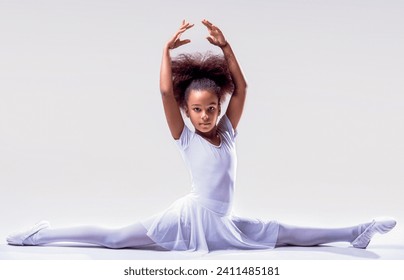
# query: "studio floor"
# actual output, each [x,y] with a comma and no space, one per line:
[377,250]
[389,246]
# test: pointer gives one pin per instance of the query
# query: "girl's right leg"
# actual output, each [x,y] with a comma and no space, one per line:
[133,236]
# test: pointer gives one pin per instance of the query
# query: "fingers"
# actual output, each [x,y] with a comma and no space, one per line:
[176,41]
[207,23]
[216,37]
[183,42]
[210,40]
[210,26]
[186,25]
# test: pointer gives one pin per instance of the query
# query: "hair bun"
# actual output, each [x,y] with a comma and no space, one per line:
[197,66]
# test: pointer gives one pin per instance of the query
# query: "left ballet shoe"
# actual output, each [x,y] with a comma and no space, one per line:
[19,237]
[376,226]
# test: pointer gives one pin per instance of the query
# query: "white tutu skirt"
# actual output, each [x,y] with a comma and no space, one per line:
[188,226]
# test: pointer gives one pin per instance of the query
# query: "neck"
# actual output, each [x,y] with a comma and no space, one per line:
[210,135]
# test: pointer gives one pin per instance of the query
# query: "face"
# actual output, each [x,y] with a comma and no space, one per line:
[203,109]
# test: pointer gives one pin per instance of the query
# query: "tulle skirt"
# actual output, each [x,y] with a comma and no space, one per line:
[188,225]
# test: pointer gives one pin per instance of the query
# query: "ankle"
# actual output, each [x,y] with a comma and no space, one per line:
[359,230]
[34,239]
[39,236]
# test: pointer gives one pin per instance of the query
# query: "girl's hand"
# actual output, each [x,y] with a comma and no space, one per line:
[175,41]
[216,36]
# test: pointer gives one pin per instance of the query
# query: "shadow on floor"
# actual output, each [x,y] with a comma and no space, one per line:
[347,251]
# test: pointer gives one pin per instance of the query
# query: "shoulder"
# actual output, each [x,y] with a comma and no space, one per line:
[185,137]
[225,125]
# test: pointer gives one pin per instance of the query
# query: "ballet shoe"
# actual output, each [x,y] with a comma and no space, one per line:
[380,225]
[18,238]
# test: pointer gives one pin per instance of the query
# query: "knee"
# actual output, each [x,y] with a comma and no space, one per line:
[283,235]
[114,241]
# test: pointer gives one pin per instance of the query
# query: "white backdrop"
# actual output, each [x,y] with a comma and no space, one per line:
[83,138]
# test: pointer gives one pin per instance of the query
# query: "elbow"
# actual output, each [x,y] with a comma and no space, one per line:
[166,93]
[165,90]
[241,86]
[240,90]
[245,86]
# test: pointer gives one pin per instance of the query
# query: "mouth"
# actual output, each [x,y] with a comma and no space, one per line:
[205,124]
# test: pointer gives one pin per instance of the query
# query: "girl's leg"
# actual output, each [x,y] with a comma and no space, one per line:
[133,236]
[303,236]
[359,236]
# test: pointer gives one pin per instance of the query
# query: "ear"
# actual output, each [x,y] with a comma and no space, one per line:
[220,109]
[186,112]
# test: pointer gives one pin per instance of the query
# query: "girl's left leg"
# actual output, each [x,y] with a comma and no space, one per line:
[304,236]
[359,236]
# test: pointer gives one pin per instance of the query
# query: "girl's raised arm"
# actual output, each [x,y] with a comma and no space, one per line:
[236,104]
[171,107]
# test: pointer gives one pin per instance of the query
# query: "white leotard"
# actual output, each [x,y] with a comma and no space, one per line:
[202,220]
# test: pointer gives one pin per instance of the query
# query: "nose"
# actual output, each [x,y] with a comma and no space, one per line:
[205,116]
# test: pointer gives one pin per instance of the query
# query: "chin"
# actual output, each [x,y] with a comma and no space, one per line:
[206,129]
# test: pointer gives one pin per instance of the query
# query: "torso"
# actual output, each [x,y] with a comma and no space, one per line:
[212,165]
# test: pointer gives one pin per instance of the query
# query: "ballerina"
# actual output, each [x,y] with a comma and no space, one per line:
[197,84]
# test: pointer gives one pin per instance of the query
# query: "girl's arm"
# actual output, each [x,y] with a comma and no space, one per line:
[237,99]
[171,107]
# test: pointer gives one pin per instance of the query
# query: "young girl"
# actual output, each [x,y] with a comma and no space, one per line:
[201,220]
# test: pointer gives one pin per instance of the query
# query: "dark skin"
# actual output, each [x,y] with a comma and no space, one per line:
[171,107]
[203,109]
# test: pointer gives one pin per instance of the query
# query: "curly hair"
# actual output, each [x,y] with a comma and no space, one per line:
[198,71]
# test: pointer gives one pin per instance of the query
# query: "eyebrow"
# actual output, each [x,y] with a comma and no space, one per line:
[213,103]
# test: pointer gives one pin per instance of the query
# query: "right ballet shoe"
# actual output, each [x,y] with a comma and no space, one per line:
[18,238]
[378,225]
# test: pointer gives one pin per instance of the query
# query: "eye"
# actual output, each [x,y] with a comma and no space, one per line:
[196,110]
[211,109]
